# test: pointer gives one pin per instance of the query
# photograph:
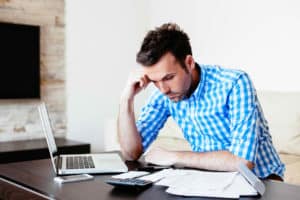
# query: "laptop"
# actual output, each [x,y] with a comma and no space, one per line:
[78,163]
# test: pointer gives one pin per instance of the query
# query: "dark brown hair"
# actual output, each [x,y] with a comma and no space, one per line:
[166,38]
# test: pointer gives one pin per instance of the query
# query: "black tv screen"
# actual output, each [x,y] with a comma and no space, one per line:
[19,61]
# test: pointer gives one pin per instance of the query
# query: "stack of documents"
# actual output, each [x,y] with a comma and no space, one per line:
[202,183]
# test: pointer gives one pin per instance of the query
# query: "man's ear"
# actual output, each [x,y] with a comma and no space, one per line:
[189,62]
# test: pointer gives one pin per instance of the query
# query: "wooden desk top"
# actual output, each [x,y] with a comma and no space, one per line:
[38,176]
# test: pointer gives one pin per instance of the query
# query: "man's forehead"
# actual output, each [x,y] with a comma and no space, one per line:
[159,70]
[157,74]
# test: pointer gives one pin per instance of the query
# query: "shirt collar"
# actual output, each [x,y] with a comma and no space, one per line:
[198,90]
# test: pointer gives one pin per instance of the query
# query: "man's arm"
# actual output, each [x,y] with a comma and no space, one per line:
[216,160]
[129,137]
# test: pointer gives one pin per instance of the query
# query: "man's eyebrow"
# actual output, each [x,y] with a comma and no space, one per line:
[171,74]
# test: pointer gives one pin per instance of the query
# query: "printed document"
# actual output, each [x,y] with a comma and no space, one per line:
[202,183]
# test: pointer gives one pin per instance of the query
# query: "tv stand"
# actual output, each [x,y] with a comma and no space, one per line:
[24,150]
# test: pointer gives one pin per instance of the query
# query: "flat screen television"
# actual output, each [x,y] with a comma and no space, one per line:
[19,61]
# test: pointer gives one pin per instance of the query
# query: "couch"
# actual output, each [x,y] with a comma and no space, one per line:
[282,111]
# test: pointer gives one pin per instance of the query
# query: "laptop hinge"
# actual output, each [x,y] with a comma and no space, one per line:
[58,163]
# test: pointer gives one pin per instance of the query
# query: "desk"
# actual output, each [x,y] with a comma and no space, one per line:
[34,180]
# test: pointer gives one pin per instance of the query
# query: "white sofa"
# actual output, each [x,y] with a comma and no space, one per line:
[282,110]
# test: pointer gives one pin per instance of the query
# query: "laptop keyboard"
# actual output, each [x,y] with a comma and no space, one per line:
[80,162]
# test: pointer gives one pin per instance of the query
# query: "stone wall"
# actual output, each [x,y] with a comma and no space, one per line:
[19,118]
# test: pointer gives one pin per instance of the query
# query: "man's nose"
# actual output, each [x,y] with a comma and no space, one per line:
[164,88]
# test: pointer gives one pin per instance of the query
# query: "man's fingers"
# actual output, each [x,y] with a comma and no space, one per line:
[136,81]
[144,81]
[147,79]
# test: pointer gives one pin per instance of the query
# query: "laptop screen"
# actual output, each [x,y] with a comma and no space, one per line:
[46,125]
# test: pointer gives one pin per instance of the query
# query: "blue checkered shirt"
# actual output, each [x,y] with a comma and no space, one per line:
[223,113]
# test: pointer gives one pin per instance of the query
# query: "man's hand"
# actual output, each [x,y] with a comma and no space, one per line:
[137,81]
[160,156]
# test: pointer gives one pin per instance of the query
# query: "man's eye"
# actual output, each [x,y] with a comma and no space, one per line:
[169,78]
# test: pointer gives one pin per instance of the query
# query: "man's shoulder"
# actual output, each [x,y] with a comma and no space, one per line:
[222,74]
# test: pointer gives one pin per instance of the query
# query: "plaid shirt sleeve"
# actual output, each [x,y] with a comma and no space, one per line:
[152,118]
[244,119]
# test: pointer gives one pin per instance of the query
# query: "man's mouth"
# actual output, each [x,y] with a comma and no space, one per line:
[174,97]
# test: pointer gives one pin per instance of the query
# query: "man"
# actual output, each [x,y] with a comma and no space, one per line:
[216,108]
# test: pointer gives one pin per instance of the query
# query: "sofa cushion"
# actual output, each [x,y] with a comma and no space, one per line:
[292,165]
[282,111]
[172,143]
[171,129]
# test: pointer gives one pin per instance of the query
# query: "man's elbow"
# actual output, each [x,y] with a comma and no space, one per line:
[249,164]
[240,160]
[132,154]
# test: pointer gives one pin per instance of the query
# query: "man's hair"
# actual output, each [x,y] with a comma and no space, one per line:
[168,37]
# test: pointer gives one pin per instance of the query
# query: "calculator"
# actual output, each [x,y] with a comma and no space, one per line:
[129,183]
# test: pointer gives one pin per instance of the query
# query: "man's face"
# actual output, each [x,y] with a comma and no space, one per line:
[169,77]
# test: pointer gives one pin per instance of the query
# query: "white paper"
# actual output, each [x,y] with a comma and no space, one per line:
[158,175]
[189,192]
[130,174]
[203,183]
